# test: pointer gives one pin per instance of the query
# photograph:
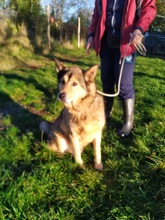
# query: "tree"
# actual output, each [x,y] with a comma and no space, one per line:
[67,11]
[159,22]
[27,11]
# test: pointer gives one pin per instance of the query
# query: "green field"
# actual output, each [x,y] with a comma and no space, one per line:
[36,184]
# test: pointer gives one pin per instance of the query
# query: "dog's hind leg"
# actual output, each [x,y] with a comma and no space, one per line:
[97,151]
[57,143]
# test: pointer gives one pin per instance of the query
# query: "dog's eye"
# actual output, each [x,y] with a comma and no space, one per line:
[74,84]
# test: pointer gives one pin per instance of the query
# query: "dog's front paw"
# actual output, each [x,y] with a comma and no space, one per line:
[99,166]
[81,165]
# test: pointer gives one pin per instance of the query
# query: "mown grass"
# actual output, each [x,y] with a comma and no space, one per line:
[37,184]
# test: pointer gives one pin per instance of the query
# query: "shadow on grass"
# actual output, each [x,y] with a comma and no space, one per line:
[19,116]
[23,121]
[69,60]
[30,80]
[142,74]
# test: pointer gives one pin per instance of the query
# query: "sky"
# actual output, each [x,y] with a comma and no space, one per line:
[70,12]
[46,2]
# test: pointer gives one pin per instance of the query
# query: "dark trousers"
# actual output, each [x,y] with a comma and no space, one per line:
[110,70]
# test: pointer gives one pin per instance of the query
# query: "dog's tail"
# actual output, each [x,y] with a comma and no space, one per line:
[44,127]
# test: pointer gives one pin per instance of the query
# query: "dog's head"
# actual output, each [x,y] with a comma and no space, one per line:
[74,83]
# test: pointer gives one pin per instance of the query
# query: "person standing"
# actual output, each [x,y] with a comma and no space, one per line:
[116,28]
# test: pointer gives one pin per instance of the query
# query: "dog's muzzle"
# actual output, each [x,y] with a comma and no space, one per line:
[61,96]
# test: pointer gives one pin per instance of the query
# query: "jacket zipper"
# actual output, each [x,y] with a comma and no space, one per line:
[113,16]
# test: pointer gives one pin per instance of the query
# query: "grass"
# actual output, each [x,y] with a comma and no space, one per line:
[37,184]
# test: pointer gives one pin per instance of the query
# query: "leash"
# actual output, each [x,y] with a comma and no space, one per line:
[142,50]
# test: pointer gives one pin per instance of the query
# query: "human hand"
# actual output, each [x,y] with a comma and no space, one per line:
[89,44]
[136,37]
[136,41]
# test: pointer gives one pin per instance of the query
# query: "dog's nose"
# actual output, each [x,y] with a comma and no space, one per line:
[62,95]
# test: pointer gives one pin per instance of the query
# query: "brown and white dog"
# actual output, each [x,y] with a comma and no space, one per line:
[82,119]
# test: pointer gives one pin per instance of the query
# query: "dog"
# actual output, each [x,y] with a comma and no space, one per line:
[82,119]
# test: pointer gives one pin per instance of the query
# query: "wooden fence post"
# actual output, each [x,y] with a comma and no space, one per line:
[78,32]
[48,27]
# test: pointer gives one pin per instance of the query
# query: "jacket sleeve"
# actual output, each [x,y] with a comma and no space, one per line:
[147,15]
[94,22]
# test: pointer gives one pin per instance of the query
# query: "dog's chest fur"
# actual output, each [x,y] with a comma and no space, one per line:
[81,122]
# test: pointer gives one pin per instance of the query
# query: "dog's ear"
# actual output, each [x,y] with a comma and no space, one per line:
[59,65]
[91,73]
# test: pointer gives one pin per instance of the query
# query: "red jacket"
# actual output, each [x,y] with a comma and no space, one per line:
[129,22]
